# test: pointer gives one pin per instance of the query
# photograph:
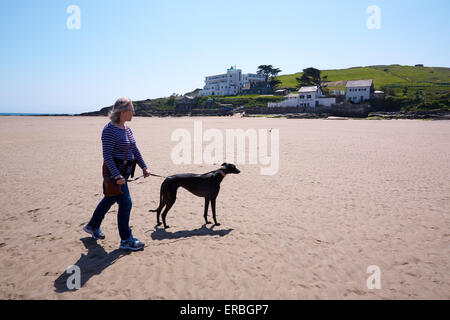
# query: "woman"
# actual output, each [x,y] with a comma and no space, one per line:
[118,142]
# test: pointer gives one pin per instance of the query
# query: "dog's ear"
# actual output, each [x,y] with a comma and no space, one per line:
[223,164]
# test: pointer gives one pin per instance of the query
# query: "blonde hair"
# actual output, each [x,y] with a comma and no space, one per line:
[122,104]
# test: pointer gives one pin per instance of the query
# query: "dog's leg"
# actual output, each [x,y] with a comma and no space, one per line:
[166,209]
[158,213]
[205,215]
[162,203]
[213,207]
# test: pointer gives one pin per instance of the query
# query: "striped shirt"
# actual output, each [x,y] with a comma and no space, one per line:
[115,144]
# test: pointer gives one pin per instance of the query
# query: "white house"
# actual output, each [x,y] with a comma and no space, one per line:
[230,83]
[359,91]
[306,97]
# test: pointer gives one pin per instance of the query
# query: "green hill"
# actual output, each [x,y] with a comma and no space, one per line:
[383,76]
[411,88]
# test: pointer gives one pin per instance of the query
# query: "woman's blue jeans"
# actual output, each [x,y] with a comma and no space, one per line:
[123,214]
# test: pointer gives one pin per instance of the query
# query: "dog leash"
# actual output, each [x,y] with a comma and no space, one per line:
[154,175]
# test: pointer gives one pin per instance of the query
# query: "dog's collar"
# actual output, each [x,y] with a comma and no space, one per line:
[222,173]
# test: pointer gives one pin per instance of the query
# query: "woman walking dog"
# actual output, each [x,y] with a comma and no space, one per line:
[119,145]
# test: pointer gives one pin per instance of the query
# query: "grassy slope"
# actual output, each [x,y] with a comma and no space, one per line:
[418,75]
[394,76]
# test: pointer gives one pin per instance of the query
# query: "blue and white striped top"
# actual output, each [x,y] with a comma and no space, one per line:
[115,145]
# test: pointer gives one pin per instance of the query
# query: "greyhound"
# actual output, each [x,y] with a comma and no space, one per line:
[205,185]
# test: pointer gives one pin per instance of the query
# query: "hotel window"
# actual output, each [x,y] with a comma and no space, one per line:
[308,96]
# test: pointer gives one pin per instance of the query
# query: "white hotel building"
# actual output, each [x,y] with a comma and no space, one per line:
[230,83]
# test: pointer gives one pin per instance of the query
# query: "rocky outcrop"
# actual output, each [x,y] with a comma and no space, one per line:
[101,112]
[438,115]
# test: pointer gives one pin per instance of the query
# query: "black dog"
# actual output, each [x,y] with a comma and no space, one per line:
[205,185]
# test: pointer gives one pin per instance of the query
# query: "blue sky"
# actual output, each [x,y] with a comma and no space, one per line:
[148,49]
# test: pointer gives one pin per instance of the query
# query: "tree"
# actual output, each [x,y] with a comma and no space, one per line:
[274,82]
[268,71]
[310,77]
[405,91]
[420,97]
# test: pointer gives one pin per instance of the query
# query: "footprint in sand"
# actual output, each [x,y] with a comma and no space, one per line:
[37,209]
[43,235]
[411,274]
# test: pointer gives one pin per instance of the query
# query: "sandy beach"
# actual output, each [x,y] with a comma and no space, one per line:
[348,195]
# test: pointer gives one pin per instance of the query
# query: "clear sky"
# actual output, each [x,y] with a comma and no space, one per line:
[148,49]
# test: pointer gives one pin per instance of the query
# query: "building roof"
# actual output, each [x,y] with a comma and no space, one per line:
[359,83]
[334,83]
[292,95]
[308,89]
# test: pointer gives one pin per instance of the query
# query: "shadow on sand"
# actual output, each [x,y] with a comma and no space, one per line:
[96,260]
[162,234]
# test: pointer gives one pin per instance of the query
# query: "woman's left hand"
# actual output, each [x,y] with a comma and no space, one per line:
[146,173]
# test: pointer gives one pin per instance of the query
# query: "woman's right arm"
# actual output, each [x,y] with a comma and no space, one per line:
[108,143]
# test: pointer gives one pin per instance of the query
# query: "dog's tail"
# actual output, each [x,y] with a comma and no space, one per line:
[160,200]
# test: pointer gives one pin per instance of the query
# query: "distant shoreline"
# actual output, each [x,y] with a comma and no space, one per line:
[37,114]
[371,116]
